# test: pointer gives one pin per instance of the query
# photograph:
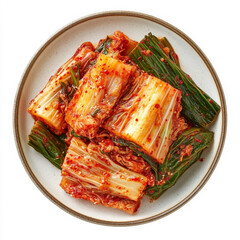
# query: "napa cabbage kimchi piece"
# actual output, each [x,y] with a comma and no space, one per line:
[47,105]
[148,115]
[121,43]
[77,190]
[117,43]
[97,94]
[90,174]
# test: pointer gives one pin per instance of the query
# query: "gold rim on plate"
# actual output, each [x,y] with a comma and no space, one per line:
[202,56]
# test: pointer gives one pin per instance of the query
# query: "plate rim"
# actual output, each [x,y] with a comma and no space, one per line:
[201,55]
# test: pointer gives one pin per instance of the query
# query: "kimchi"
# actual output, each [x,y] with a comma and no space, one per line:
[117,120]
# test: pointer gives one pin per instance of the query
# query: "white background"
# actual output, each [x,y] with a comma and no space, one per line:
[25,213]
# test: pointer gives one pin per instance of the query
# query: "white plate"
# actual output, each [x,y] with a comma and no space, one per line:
[60,48]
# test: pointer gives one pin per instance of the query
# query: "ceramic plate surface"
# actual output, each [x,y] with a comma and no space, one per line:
[57,50]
